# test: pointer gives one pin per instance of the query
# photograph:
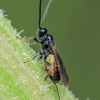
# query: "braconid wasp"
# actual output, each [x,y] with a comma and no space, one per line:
[52,61]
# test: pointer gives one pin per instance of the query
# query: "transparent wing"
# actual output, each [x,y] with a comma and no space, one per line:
[61,68]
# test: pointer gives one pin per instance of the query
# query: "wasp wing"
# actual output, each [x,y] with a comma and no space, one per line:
[61,68]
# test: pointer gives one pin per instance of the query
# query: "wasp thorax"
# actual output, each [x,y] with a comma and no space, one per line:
[42,32]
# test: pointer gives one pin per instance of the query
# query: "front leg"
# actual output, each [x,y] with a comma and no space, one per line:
[36,40]
[30,38]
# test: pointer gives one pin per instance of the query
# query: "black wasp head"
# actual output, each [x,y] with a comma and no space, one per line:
[42,32]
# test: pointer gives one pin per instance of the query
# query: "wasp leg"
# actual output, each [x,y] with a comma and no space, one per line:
[30,38]
[57,91]
[60,83]
[43,83]
[33,57]
[27,39]
[41,55]
[46,77]
[36,40]
[47,63]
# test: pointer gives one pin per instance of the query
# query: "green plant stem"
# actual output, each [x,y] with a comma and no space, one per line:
[19,81]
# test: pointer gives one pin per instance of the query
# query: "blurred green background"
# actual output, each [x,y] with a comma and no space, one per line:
[75,25]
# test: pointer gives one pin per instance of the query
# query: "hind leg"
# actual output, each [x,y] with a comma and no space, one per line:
[43,83]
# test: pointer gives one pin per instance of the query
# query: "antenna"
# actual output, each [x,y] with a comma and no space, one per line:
[45,13]
[40,13]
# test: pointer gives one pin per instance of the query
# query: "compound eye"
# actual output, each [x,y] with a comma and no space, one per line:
[42,31]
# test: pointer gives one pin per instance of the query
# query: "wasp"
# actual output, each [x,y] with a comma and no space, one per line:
[52,60]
